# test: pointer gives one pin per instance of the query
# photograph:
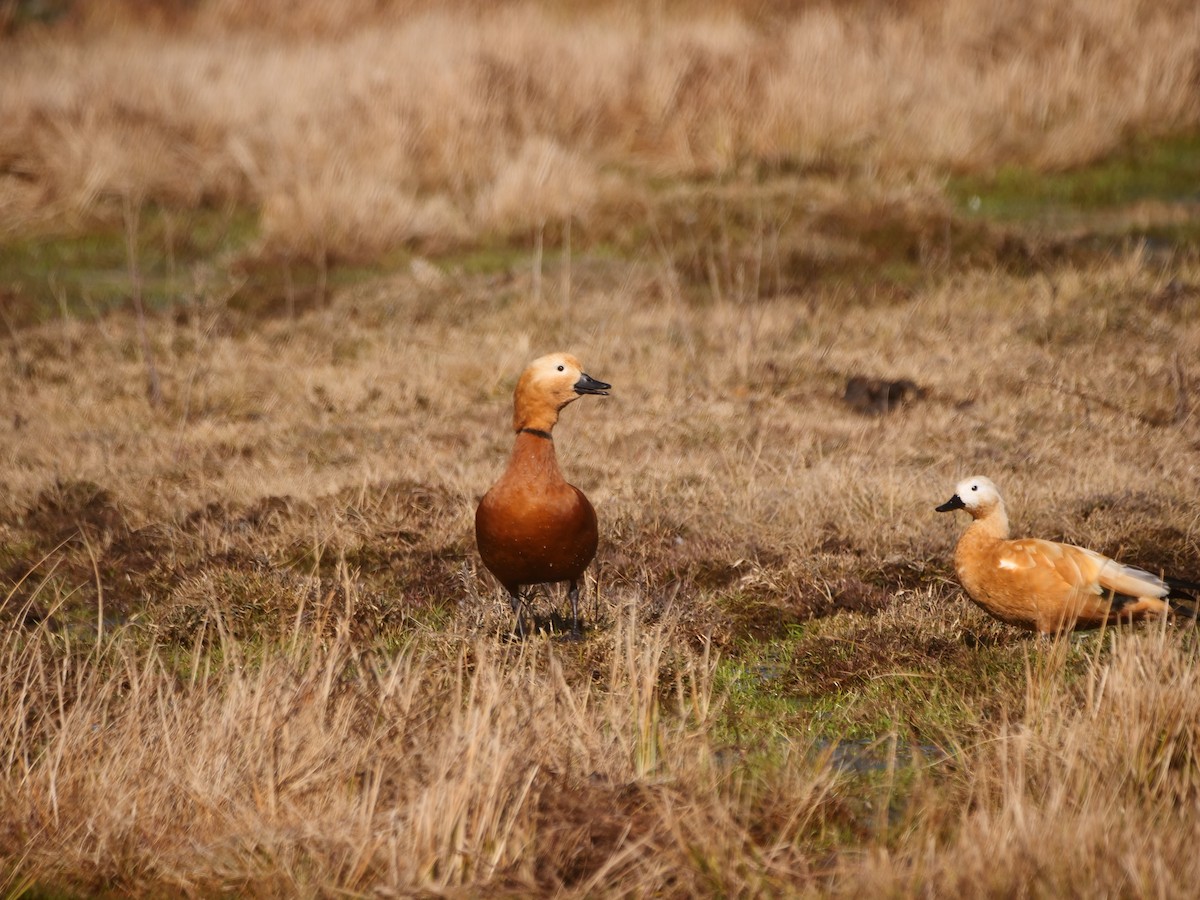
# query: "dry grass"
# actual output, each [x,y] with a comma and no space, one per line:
[310,695]
[323,768]
[1095,790]
[357,135]
[247,643]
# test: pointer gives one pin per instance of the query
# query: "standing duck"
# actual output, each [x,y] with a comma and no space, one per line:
[1043,585]
[532,527]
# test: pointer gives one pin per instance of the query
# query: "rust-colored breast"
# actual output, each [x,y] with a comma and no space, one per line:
[532,527]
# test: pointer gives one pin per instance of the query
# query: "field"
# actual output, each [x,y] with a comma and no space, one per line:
[267,283]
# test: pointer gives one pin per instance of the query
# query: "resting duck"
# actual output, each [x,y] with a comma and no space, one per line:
[532,527]
[1042,585]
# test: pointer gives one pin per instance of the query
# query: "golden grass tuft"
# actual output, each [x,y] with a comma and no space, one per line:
[300,686]
[1095,786]
[423,125]
[317,766]
[247,644]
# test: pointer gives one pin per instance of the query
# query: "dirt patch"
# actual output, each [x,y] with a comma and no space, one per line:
[737,593]
[851,595]
[755,617]
[423,576]
[584,821]
[878,396]
[835,541]
[257,601]
[1132,529]
[268,513]
[1164,550]
[265,516]
[750,619]
[660,554]
[882,663]
[910,568]
[1175,299]
[213,513]
[398,540]
[61,547]
[402,537]
[1128,503]
[724,592]
[70,510]
[841,662]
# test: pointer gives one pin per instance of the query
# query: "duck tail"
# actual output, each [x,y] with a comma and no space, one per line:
[1188,588]
[1185,609]
[1184,597]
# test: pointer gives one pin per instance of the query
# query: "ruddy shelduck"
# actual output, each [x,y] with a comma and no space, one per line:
[1043,585]
[532,527]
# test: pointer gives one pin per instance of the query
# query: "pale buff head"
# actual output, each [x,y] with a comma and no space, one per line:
[977,495]
[547,385]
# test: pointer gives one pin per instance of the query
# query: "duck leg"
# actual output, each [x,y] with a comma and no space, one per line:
[573,593]
[514,597]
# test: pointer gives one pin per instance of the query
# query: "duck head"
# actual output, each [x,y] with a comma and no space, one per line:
[977,495]
[547,385]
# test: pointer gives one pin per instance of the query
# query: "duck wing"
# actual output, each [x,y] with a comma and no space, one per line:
[1079,568]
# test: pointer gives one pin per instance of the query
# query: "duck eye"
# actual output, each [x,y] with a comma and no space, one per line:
[562,368]
[974,487]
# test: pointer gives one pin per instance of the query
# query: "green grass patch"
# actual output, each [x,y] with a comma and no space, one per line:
[87,273]
[1164,170]
[852,677]
[490,259]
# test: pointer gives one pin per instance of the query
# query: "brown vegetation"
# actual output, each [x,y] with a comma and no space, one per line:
[354,132]
[294,617]
[247,642]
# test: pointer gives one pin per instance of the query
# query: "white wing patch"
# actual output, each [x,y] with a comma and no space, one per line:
[1019,555]
[1127,580]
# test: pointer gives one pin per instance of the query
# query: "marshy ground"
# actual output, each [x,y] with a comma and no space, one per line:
[249,645]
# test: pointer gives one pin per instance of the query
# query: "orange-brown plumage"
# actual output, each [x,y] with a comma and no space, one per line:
[532,527]
[1043,585]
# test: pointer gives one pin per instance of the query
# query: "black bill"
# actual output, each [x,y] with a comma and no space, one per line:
[953,503]
[589,385]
